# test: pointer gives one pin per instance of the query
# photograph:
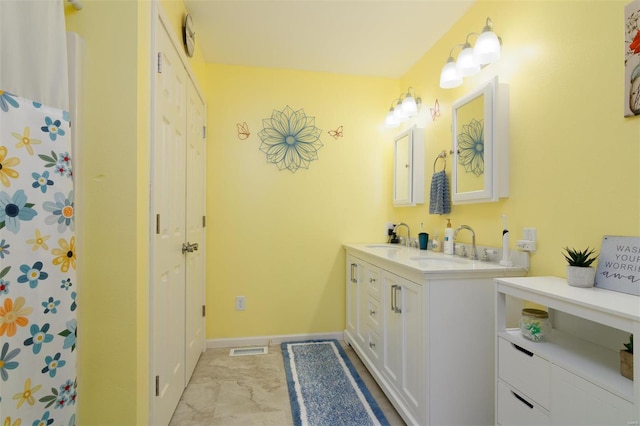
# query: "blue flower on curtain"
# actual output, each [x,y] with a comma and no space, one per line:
[4,248]
[44,421]
[52,363]
[13,209]
[53,128]
[42,181]
[62,211]
[39,336]
[6,99]
[69,335]
[290,139]
[63,166]
[51,305]
[32,274]
[4,287]
[471,147]
[6,356]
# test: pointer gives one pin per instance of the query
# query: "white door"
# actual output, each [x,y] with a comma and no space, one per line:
[195,214]
[168,204]
[178,245]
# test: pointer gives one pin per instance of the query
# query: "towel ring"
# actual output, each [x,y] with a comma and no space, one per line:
[442,155]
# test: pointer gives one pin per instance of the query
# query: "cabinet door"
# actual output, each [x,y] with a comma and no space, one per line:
[392,328]
[403,333]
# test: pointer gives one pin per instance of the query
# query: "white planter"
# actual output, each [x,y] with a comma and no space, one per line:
[578,276]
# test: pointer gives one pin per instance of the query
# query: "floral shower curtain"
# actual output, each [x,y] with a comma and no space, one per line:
[37,265]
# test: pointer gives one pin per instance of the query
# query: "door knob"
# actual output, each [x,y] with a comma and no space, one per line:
[189,248]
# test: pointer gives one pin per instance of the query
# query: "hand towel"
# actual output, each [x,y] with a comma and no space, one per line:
[440,198]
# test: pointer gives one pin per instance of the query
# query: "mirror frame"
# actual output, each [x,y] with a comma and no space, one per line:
[412,173]
[495,148]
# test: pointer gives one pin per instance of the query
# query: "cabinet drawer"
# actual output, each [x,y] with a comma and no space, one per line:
[373,281]
[374,346]
[374,315]
[525,371]
[515,409]
[575,401]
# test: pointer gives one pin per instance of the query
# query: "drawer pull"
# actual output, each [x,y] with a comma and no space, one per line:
[524,401]
[521,349]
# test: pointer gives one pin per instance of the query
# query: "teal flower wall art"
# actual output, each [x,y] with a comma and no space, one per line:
[290,139]
[471,147]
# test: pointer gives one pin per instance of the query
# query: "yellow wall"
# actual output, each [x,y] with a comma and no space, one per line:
[275,236]
[574,158]
[113,312]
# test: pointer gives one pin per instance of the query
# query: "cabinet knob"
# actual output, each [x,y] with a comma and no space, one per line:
[372,312]
[372,280]
[372,345]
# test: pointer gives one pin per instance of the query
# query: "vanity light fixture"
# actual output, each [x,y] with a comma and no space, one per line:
[403,108]
[470,59]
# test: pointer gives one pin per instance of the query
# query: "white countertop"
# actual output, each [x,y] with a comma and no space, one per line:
[426,261]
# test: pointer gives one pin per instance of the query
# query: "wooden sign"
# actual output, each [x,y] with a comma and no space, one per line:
[619,264]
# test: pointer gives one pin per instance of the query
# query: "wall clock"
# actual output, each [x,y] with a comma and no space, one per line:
[188,35]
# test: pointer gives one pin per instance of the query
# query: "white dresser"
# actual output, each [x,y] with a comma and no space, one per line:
[573,376]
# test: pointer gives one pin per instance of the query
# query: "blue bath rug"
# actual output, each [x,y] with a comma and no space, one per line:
[324,387]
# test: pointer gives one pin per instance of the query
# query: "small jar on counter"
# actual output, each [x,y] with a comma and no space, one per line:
[534,324]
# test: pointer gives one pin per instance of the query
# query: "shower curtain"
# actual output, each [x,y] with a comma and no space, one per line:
[38,286]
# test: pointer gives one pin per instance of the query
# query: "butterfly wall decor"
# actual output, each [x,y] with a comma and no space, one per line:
[336,133]
[435,111]
[243,131]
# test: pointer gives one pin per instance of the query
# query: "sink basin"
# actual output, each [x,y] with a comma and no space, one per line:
[385,246]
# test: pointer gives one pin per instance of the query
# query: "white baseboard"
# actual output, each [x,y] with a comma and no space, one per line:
[270,340]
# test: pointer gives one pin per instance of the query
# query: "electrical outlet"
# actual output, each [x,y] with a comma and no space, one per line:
[240,303]
[529,234]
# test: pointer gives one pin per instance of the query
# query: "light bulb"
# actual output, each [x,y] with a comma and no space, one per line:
[390,121]
[409,106]
[487,48]
[449,77]
[466,65]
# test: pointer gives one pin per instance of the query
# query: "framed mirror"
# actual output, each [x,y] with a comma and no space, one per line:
[480,150]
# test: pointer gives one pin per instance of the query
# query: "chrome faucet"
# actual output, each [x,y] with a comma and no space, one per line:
[474,251]
[407,242]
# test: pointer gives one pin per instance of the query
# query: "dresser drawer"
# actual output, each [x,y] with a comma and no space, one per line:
[516,409]
[374,315]
[372,278]
[373,346]
[525,371]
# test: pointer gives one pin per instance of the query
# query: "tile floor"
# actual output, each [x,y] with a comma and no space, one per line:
[251,390]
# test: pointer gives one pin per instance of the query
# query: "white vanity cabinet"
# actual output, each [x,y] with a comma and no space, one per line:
[425,336]
[573,376]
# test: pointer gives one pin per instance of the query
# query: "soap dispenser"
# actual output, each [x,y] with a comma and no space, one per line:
[448,238]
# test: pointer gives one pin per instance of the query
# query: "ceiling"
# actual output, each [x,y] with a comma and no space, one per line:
[382,38]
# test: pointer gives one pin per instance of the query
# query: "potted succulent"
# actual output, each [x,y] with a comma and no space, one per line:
[626,359]
[580,273]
